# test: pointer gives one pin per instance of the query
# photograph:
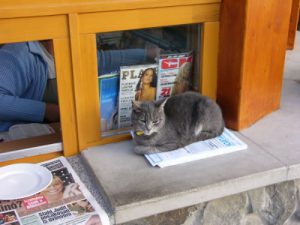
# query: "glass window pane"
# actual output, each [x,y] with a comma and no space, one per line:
[28,95]
[144,65]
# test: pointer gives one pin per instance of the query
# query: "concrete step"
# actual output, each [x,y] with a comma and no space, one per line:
[135,190]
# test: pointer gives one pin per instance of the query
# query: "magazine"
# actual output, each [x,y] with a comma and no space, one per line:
[75,205]
[132,86]
[223,144]
[109,91]
[27,130]
[174,74]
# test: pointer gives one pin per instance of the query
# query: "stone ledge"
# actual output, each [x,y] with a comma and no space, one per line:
[136,190]
[277,204]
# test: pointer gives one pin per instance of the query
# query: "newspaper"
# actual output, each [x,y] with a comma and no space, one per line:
[223,144]
[27,130]
[174,74]
[129,80]
[73,206]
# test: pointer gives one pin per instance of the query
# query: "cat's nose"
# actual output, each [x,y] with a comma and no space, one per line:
[149,126]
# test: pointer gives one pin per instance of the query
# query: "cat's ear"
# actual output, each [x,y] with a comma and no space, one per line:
[136,105]
[162,105]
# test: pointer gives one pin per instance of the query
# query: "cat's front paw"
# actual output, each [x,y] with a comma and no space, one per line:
[141,149]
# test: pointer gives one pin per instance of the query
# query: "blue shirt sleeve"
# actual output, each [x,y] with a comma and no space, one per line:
[23,78]
[111,60]
[17,109]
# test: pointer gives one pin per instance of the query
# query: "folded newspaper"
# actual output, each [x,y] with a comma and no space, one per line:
[75,206]
[223,144]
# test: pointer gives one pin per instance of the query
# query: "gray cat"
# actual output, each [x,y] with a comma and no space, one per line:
[175,122]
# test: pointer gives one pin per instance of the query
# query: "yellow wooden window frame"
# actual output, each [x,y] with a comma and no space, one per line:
[83,29]
[73,24]
[54,28]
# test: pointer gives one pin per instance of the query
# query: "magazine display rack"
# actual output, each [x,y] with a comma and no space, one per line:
[72,26]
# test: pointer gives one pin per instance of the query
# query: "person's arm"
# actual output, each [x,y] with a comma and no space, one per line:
[27,110]
[19,109]
[20,72]
[52,113]
[111,60]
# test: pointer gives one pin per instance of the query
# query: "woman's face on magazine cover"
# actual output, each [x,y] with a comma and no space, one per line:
[148,76]
[56,187]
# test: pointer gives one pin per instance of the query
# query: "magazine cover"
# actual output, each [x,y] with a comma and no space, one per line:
[138,83]
[109,91]
[65,201]
[174,74]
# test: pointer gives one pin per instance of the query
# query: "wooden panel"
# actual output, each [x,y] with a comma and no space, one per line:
[22,8]
[265,45]
[230,59]
[210,48]
[29,142]
[143,18]
[88,82]
[294,19]
[81,81]
[28,29]
[66,95]
[107,140]
[33,159]
[88,92]
[77,57]
[252,52]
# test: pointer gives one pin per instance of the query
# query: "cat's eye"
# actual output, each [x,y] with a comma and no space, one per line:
[143,121]
[155,122]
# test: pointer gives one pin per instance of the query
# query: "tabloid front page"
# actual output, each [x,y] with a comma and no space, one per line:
[73,205]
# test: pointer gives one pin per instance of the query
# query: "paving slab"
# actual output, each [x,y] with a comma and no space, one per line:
[135,189]
[279,132]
